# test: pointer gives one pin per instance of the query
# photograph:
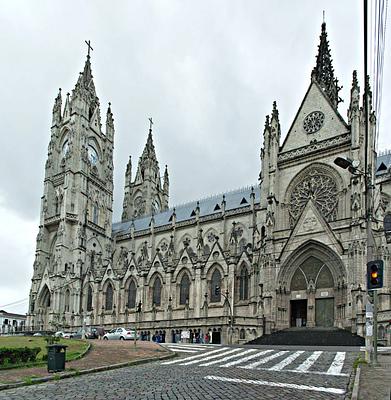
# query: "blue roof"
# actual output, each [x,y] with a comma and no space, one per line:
[383,163]
[239,198]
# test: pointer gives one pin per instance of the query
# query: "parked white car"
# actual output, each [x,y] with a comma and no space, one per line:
[120,334]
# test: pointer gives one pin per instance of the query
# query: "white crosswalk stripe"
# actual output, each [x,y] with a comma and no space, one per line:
[228,358]
[337,365]
[309,362]
[211,357]
[242,360]
[286,361]
[265,360]
[221,349]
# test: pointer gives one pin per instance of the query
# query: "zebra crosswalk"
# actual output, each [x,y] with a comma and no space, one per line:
[189,347]
[301,362]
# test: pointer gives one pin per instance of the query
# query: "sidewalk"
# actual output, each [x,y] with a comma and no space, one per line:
[102,354]
[375,382]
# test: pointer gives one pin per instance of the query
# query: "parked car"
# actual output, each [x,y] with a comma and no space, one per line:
[120,334]
[59,334]
[68,335]
[37,334]
[89,334]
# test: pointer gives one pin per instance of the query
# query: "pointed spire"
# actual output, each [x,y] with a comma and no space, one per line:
[166,181]
[67,107]
[57,108]
[85,89]
[275,111]
[323,73]
[149,149]
[109,123]
[109,117]
[275,122]
[354,81]
[128,173]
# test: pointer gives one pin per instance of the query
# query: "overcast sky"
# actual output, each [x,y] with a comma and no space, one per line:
[206,71]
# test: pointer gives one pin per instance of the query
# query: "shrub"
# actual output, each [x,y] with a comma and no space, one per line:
[18,355]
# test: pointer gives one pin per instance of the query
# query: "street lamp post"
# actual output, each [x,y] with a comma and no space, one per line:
[136,318]
[351,166]
[231,317]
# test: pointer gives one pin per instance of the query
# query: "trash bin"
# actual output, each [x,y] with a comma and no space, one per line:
[56,357]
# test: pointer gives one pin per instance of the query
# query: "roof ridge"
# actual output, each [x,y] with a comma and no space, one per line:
[213,196]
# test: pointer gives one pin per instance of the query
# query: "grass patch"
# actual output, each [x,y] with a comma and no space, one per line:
[74,350]
[28,380]
[359,361]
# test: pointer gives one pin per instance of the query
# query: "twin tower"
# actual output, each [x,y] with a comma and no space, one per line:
[75,231]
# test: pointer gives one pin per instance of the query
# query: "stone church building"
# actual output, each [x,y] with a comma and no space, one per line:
[289,251]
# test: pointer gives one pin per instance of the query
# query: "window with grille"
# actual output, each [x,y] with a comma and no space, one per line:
[387,223]
[157,291]
[184,289]
[243,286]
[89,299]
[66,302]
[215,281]
[132,295]
[109,297]
[95,214]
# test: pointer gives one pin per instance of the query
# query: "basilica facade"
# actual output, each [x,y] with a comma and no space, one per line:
[289,251]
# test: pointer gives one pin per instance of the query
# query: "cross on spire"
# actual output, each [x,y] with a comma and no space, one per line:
[89,47]
[150,123]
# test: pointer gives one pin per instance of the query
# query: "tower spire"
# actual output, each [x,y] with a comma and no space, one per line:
[149,149]
[323,73]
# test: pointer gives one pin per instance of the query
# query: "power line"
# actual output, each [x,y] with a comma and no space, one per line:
[18,302]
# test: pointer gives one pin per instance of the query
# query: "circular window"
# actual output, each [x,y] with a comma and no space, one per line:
[313,121]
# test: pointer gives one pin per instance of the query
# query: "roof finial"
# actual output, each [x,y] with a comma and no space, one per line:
[150,124]
[324,20]
[89,47]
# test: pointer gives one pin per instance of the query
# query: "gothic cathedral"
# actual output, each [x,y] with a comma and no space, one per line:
[289,252]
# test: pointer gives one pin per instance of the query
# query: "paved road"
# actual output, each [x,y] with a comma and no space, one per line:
[211,372]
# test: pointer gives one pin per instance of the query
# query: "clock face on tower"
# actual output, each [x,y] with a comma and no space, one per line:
[92,155]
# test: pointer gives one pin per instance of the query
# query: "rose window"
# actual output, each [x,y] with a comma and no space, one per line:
[321,189]
[313,122]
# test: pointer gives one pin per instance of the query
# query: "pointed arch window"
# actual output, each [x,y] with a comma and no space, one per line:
[132,294]
[215,281]
[184,289]
[67,300]
[157,291]
[89,299]
[243,284]
[109,297]
[95,213]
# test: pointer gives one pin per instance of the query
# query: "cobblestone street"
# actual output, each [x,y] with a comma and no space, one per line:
[211,373]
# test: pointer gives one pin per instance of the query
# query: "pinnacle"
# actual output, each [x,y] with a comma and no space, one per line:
[355,81]
[323,73]
[275,111]
[267,122]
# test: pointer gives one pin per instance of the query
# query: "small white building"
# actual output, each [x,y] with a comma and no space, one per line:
[11,323]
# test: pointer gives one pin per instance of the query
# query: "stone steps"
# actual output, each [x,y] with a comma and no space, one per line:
[311,337]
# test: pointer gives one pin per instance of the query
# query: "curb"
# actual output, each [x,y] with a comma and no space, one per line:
[85,372]
[356,384]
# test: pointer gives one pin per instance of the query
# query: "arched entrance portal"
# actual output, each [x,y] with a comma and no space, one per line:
[308,291]
[312,295]
[44,304]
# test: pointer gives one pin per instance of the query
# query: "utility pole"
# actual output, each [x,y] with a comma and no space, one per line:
[231,317]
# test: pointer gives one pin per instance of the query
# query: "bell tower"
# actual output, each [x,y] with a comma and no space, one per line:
[146,195]
[76,208]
